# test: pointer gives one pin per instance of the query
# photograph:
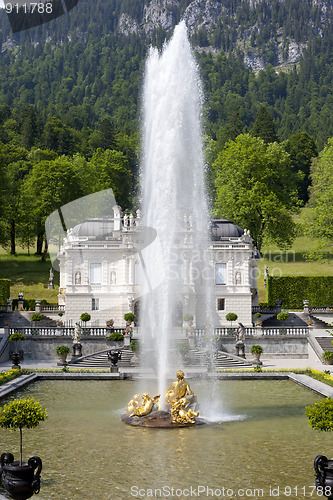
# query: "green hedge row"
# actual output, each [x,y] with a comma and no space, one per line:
[30,304]
[292,290]
[4,291]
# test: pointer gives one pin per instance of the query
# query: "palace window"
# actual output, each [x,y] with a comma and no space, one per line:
[95,304]
[220,304]
[95,274]
[220,274]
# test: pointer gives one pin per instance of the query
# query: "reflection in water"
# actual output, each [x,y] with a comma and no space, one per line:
[88,453]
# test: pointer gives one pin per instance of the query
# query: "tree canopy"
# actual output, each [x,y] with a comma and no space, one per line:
[319,223]
[255,189]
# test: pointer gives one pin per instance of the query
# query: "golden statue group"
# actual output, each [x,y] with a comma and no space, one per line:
[181,405]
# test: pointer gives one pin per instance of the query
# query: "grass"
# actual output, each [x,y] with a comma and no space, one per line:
[291,262]
[28,274]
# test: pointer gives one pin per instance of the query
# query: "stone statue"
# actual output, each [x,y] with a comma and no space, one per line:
[78,278]
[77,334]
[240,334]
[51,281]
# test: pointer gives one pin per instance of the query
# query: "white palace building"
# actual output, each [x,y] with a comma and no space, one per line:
[99,272]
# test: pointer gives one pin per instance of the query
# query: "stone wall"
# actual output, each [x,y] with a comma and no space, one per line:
[274,347]
[41,348]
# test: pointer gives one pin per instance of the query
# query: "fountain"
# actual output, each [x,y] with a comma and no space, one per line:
[173,198]
[181,407]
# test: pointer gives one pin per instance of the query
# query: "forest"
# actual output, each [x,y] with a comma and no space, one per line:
[70,100]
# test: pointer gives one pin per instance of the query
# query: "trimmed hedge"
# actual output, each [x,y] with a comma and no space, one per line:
[4,291]
[292,290]
[30,304]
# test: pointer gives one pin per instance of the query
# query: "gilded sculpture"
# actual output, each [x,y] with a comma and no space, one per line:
[181,403]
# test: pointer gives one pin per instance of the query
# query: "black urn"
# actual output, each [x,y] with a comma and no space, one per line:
[21,481]
[324,476]
[114,357]
[16,357]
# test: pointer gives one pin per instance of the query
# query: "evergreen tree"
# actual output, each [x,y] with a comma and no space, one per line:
[264,126]
[302,149]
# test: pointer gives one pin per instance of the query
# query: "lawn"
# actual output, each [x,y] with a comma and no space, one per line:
[291,262]
[29,275]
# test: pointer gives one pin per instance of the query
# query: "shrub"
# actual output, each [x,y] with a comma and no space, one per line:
[129,317]
[231,317]
[9,375]
[62,349]
[282,316]
[134,345]
[321,415]
[16,336]
[256,349]
[188,317]
[21,413]
[257,315]
[115,337]
[85,317]
[36,317]
[4,291]
[327,356]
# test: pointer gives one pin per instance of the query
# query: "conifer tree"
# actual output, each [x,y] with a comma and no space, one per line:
[264,126]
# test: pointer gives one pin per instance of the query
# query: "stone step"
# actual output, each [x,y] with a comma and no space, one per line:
[196,357]
[325,343]
[100,360]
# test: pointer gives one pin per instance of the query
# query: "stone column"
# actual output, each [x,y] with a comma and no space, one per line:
[38,307]
[9,305]
[278,304]
[306,306]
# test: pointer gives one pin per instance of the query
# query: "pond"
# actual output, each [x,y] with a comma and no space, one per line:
[258,444]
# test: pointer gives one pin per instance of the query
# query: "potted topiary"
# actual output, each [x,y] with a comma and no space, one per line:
[321,419]
[18,477]
[231,317]
[129,318]
[17,354]
[327,357]
[282,316]
[257,350]
[257,321]
[62,351]
[85,317]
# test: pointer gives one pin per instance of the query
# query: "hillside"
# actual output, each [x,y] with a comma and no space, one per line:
[88,64]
